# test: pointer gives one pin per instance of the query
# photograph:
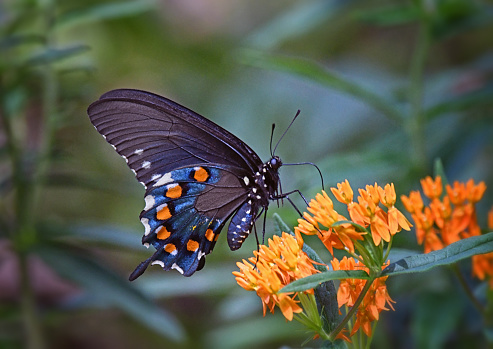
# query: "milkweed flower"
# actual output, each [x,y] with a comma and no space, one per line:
[450,215]
[375,300]
[366,212]
[482,264]
[273,267]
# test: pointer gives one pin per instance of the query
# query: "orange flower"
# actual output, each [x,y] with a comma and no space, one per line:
[448,219]
[413,203]
[482,265]
[432,188]
[343,193]
[324,216]
[273,267]
[375,300]
[366,213]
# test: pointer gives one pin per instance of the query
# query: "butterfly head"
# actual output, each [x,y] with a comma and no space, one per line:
[274,163]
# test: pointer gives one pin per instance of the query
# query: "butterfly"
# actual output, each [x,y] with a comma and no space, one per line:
[197,175]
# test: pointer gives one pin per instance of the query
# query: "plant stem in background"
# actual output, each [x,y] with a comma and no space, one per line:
[416,122]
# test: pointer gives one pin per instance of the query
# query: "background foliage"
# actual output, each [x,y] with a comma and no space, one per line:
[384,88]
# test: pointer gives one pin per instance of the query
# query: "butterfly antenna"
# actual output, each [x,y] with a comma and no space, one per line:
[271,137]
[312,164]
[279,141]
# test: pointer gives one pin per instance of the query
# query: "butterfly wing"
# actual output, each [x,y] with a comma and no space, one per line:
[156,135]
[195,173]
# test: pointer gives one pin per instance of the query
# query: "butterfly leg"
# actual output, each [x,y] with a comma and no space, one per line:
[285,196]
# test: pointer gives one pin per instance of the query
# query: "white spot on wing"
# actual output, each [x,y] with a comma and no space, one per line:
[146,244]
[175,266]
[161,263]
[138,151]
[246,180]
[150,201]
[146,165]
[163,180]
[200,255]
[147,227]
[160,207]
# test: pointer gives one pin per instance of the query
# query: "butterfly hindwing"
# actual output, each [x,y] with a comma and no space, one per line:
[183,215]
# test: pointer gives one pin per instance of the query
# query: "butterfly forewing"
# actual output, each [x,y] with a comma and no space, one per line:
[196,174]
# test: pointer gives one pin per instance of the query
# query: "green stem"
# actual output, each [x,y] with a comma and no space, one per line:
[353,309]
[32,328]
[416,126]
[468,290]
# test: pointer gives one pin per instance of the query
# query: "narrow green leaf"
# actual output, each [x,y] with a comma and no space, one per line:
[113,290]
[439,170]
[280,225]
[105,11]
[299,19]
[316,279]
[390,15]
[51,55]
[478,98]
[107,234]
[317,73]
[451,254]
[359,228]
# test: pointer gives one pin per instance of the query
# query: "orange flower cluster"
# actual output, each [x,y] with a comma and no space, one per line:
[373,302]
[449,217]
[272,268]
[482,265]
[366,212]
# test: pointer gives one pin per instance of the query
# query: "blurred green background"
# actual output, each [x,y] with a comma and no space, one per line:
[384,89]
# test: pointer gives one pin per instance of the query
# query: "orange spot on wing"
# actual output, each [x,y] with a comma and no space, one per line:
[164,213]
[200,175]
[192,245]
[170,248]
[174,192]
[163,233]
[209,234]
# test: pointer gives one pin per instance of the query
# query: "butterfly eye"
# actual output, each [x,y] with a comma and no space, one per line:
[275,162]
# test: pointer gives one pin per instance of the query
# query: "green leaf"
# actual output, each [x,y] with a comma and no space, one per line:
[113,290]
[316,279]
[317,73]
[467,101]
[51,55]
[105,11]
[359,228]
[299,19]
[453,253]
[439,170]
[280,225]
[390,15]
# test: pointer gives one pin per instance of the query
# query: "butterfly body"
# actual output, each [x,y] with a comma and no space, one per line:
[197,175]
